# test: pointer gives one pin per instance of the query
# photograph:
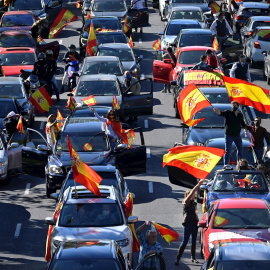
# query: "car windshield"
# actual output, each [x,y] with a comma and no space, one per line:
[191,15]
[11,90]
[244,265]
[91,215]
[105,24]
[211,120]
[26,5]
[17,59]
[7,41]
[174,29]
[84,142]
[221,98]
[98,88]
[195,40]
[190,57]
[188,1]
[112,68]
[123,54]
[247,182]
[6,107]
[110,38]
[235,218]
[117,6]
[17,20]
[86,112]
[255,12]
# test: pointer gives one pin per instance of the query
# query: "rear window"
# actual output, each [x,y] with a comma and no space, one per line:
[190,57]
[17,20]
[258,24]
[109,38]
[102,23]
[255,11]
[16,41]
[195,40]
[174,29]
[17,59]
[111,6]
[6,107]
[192,15]
[11,90]
[188,1]
[112,68]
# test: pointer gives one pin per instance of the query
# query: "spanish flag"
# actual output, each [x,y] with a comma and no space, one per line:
[115,104]
[156,45]
[190,101]
[136,244]
[20,125]
[64,18]
[48,244]
[215,7]
[204,201]
[177,51]
[88,17]
[89,101]
[131,42]
[248,94]
[203,77]
[220,221]
[57,211]
[88,147]
[167,234]
[198,161]
[82,173]
[41,100]
[78,5]
[92,41]
[128,205]
[71,104]
[40,40]
[126,27]
[264,33]
[215,44]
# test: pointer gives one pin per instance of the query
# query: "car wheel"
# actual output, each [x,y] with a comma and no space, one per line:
[49,191]
[264,71]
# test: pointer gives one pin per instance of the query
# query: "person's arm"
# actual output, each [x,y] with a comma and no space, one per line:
[190,195]
[142,227]
[243,124]
[140,235]
[266,136]
[232,71]
[248,74]
[213,27]
[217,111]
[98,116]
[228,27]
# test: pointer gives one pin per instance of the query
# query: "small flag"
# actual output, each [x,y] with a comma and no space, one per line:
[204,201]
[115,104]
[60,119]
[41,100]
[167,234]
[71,104]
[89,101]
[92,41]
[136,244]
[215,44]
[78,5]
[131,42]
[220,221]
[177,51]
[57,211]
[156,45]
[128,205]
[48,244]
[88,17]
[88,147]
[126,27]
[215,7]
[40,40]
[20,125]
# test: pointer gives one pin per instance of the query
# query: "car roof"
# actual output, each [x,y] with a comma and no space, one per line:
[254,5]
[241,203]
[115,46]
[87,249]
[183,21]
[101,59]
[260,18]
[10,80]
[196,48]
[98,77]
[83,110]
[185,8]
[15,33]
[213,90]
[74,125]
[196,31]
[17,49]
[111,32]
[17,12]
[217,142]
[105,18]
[103,168]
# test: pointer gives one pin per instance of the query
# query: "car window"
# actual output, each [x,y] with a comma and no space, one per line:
[105,38]
[174,29]
[246,264]
[258,24]
[209,213]
[11,90]
[123,54]
[100,6]
[6,107]
[17,59]
[26,5]
[255,12]
[102,23]
[33,139]
[230,42]
[264,35]
[190,57]
[122,184]
[195,40]
[112,68]
[248,22]
[220,98]
[210,119]
[16,41]
[188,1]
[193,15]
[17,20]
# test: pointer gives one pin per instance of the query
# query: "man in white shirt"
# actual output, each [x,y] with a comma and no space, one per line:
[240,70]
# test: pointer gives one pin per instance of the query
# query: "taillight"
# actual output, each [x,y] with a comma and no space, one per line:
[249,33]
[238,17]
[257,45]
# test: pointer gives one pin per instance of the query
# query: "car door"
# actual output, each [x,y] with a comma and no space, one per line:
[53,8]
[163,67]
[138,104]
[231,50]
[132,161]
[156,261]
[54,46]
[35,152]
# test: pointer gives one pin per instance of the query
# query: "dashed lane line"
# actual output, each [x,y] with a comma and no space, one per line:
[27,189]
[18,230]
[151,187]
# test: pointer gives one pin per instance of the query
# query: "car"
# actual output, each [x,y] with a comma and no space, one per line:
[251,24]
[17,20]
[256,44]
[129,60]
[247,10]
[266,66]
[236,255]
[81,217]
[187,12]
[234,219]
[13,87]
[39,157]
[172,30]
[110,65]
[85,111]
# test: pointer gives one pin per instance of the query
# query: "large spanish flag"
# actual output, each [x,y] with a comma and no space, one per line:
[190,101]
[89,101]
[215,44]
[248,94]
[82,173]
[215,7]
[198,161]
[92,41]
[41,100]
[203,77]
[20,126]
[64,18]
[156,45]
[167,234]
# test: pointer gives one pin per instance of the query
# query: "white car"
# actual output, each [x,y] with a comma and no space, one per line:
[258,42]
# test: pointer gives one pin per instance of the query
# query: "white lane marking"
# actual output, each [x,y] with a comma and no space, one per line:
[60,41]
[151,187]
[42,125]
[28,185]
[18,230]
[146,123]
[148,152]
[140,40]
[142,77]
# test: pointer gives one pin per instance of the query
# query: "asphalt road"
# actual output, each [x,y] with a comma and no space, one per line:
[24,206]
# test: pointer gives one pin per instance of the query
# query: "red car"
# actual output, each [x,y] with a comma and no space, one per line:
[165,72]
[234,220]
[15,59]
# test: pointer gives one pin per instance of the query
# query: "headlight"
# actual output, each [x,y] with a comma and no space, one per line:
[56,243]
[123,243]
[210,246]
[3,162]
[55,169]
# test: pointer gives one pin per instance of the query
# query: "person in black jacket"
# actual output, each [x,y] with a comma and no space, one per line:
[240,70]
[10,123]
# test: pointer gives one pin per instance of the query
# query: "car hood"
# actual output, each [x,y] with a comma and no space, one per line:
[15,70]
[120,14]
[203,6]
[201,135]
[101,100]
[15,28]
[128,65]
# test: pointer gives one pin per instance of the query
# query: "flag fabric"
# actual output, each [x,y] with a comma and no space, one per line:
[115,104]
[203,77]
[40,40]
[167,234]
[88,17]
[128,205]
[131,42]
[48,244]
[136,243]
[198,161]
[41,100]
[265,34]
[190,101]
[57,211]
[20,125]
[82,173]
[215,7]
[78,5]
[64,18]
[60,119]
[126,27]
[71,104]
[92,41]
[88,147]
[89,101]
[220,221]
[204,201]
[177,51]
[249,94]
[156,45]
[215,44]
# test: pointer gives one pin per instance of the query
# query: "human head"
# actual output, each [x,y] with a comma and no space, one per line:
[203,58]
[49,54]
[209,52]
[223,184]
[111,115]
[51,118]
[127,75]
[257,121]
[12,115]
[151,237]
[261,168]
[169,49]
[242,59]
[72,48]
[106,210]
[41,56]
[242,164]
[235,105]
[220,16]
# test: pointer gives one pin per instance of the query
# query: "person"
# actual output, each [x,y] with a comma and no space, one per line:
[211,60]
[10,123]
[257,136]
[240,69]
[111,119]
[38,29]
[202,64]
[138,4]
[52,71]
[190,223]
[223,185]
[171,55]
[219,27]
[70,55]
[106,216]
[148,246]
[233,122]
[232,7]
[52,130]
[242,165]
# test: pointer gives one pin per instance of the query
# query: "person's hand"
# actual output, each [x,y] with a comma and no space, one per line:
[246,134]
[216,110]
[200,182]
[92,109]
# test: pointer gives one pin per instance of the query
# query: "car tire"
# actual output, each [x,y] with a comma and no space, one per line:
[264,71]
[49,191]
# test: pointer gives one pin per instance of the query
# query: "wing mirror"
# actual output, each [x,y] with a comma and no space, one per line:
[132,219]
[54,196]
[121,147]
[14,145]
[50,221]
[264,53]
[42,147]
[202,224]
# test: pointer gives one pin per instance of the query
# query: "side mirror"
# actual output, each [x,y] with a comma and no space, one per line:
[54,196]
[121,147]
[161,33]
[202,224]
[264,53]
[167,61]
[173,83]
[14,145]
[50,221]
[42,147]
[223,60]
[132,219]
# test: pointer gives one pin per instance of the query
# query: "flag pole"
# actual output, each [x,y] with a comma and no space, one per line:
[76,193]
